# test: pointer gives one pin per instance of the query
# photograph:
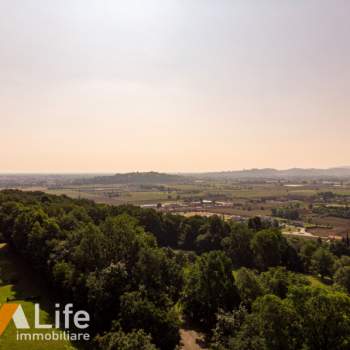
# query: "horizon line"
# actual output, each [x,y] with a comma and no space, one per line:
[161,171]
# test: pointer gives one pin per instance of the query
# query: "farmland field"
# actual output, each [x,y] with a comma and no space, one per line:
[238,198]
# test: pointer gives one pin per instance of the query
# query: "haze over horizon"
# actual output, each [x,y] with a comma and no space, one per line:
[165,172]
[173,86]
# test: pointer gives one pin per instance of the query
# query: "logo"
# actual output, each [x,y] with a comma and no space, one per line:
[14,312]
[65,319]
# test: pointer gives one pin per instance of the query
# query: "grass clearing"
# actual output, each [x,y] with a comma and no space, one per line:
[19,282]
[317,282]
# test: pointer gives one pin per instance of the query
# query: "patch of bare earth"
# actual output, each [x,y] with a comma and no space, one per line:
[192,340]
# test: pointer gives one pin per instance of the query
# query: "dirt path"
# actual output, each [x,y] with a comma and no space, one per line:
[192,340]
[300,231]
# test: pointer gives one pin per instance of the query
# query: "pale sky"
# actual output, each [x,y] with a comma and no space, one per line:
[173,85]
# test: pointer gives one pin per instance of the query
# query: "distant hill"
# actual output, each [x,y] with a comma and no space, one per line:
[134,178]
[149,178]
[268,173]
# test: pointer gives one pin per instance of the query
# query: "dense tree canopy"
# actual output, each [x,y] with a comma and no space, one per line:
[140,272]
[210,286]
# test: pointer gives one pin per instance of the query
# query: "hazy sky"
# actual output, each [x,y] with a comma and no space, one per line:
[173,85]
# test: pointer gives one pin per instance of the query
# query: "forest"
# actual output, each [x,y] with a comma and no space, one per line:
[141,274]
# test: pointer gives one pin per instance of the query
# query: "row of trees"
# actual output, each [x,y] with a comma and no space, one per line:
[289,213]
[337,211]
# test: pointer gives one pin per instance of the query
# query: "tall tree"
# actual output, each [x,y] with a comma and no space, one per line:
[269,247]
[209,287]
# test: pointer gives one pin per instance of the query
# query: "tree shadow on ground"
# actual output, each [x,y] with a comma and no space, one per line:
[26,285]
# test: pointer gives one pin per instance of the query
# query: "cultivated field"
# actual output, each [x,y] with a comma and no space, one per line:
[230,198]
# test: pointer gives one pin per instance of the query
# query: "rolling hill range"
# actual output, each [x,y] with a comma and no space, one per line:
[269,173]
[249,174]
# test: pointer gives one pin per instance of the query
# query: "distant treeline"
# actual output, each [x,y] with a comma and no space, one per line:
[289,213]
[336,211]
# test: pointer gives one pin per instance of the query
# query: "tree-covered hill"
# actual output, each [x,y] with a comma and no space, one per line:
[134,178]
